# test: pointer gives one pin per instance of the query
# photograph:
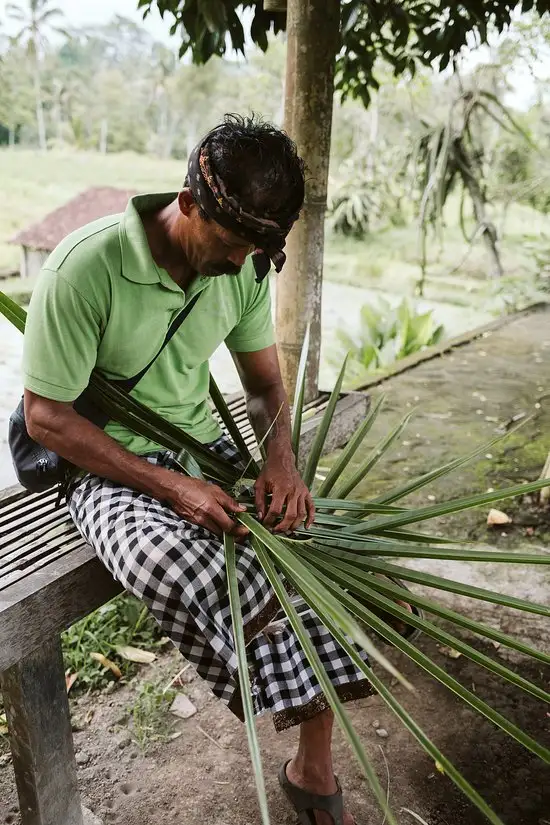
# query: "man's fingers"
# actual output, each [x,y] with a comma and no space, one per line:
[224,522]
[300,515]
[290,516]
[228,503]
[310,508]
[259,498]
[275,509]
[209,524]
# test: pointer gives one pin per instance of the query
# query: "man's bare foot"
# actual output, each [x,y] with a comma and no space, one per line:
[316,783]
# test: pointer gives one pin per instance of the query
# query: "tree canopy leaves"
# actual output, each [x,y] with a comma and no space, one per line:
[405,34]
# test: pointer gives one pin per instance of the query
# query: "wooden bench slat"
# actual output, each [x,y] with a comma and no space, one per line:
[42,552]
[29,526]
[21,573]
[11,550]
[27,503]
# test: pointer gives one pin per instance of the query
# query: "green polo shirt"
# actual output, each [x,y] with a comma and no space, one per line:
[102,302]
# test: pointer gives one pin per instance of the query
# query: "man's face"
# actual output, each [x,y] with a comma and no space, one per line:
[211,249]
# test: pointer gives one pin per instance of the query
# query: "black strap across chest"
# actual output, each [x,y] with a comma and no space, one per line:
[128,384]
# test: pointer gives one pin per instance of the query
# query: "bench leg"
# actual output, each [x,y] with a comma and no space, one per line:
[37,710]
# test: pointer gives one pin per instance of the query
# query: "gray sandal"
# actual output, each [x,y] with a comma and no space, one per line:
[305,803]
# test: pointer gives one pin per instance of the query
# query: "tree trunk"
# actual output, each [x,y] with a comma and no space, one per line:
[489,232]
[103,134]
[313,37]
[11,136]
[39,106]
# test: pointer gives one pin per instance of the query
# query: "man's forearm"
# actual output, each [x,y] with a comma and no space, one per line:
[89,448]
[269,412]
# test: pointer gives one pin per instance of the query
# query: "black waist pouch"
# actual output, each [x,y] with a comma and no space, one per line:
[38,468]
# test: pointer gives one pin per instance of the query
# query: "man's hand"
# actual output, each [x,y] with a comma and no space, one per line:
[280,478]
[205,504]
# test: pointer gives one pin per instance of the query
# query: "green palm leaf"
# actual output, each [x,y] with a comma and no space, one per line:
[413,727]
[324,681]
[299,394]
[358,582]
[420,658]
[321,435]
[351,448]
[453,506]
[421,481]
[345,488]
[244,682]
[232,428]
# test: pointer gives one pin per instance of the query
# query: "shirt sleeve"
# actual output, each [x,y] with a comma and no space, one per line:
[255,328]
[62,336]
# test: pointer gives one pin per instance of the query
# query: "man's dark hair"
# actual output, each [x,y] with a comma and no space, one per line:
[259,166]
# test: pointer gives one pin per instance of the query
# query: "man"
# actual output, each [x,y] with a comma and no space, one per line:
[105,300]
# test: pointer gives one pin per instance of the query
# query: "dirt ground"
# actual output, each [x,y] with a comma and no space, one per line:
[203,776]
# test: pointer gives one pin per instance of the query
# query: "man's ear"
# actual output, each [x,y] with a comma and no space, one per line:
[185,201]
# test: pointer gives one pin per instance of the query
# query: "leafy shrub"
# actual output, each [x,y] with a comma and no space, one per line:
[386,335]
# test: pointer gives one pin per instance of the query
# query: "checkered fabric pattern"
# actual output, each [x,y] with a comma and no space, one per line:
[178,570]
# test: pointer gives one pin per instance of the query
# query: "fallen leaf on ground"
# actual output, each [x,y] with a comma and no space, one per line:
[450,652]
[70,679]
[136,654]
[103,660]
[497,517]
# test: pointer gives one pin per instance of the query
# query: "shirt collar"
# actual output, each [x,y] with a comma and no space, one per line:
[138,264]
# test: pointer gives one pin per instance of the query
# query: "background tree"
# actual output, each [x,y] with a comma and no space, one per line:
[36,20]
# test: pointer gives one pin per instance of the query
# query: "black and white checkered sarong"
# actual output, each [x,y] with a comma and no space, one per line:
[178,570]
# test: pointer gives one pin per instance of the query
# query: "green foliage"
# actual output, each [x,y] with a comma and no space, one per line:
[149,714]
[123,621]
[333,567]
[386,334]
[368,196]
[404,35]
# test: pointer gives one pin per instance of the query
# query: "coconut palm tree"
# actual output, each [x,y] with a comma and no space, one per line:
[35,20]
[344,567]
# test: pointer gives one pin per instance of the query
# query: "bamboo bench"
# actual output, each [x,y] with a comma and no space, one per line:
[49,579]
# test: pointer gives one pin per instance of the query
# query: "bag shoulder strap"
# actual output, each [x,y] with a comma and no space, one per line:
[129,383]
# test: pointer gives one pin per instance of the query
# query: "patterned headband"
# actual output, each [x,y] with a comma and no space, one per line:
[209,192]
